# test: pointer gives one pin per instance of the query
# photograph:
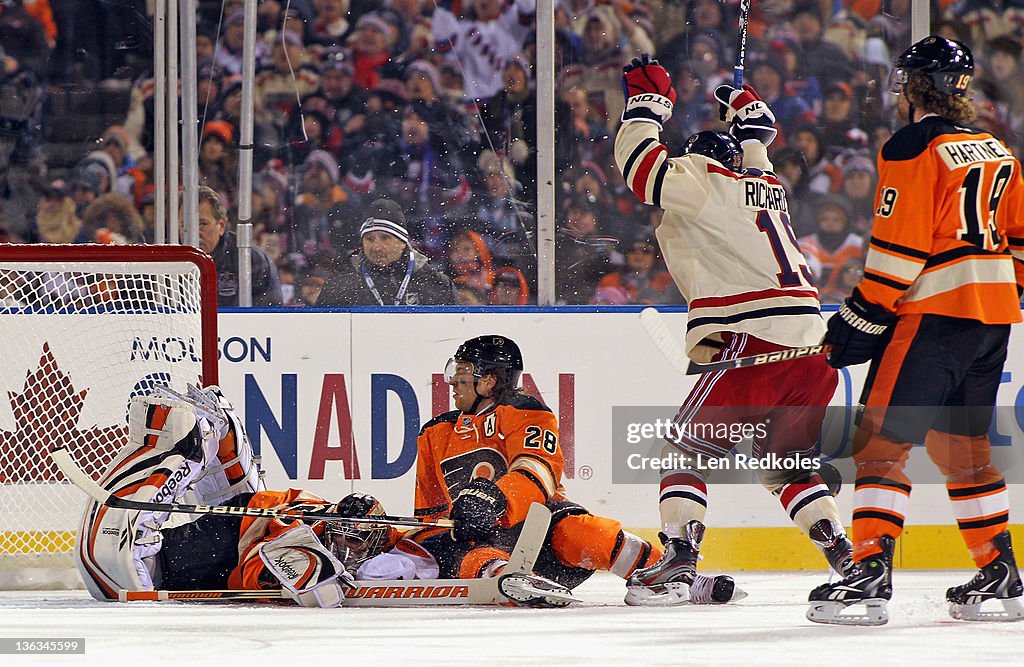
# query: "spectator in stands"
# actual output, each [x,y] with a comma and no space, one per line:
[495,213]
[56,220]
[608,43]
[582,256]
[510,288]
[331,27]
[372,43]
[482,41]
[25,49]
[838,122]
[217,164]
[467,295]
[860,179]
[846,277]
[823,60]
[643,278]
[833,244]
[768,77]
[326,212]
[386,270]
[287,79]
[693,111]
[469,261]
[1005,78]
[822,175]
[85,186]
[113,219]
[228,56]
[221,244]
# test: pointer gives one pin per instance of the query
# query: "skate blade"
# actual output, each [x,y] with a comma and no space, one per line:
[1012,610]
[665,595]
[738,594]
[838,613]
[522,592]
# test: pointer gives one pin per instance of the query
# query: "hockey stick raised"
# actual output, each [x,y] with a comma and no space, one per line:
[399,593]
[655,326]
[79,478]
[741,44]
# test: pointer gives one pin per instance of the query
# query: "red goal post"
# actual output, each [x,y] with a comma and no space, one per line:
[84,328]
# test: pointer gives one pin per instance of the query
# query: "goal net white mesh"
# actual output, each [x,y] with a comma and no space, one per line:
[86,328]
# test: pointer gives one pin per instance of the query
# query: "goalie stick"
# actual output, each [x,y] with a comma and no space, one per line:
[655,326]
[79,478]
[401,593]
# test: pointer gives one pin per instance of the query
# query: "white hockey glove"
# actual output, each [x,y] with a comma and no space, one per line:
[747,114]
[308,572]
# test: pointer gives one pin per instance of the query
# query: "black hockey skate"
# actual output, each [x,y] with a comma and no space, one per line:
[530,590]
[869,584]
[999,580]
[673,580]
[833,543]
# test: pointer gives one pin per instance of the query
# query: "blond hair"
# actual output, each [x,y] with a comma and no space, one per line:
[921,93]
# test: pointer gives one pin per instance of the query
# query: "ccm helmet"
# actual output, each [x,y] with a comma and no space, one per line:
[490,355]
[718,146]
[947,62]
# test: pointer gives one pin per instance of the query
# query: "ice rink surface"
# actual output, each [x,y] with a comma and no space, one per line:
[767,628]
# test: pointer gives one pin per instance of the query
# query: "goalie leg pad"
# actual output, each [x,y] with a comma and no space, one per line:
[310,574]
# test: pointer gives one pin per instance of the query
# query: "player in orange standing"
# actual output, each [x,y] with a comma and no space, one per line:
[485,462]
[932,314]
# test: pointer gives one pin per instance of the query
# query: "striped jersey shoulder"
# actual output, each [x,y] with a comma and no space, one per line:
[914,139]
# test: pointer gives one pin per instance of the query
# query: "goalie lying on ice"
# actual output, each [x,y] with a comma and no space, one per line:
[192,449]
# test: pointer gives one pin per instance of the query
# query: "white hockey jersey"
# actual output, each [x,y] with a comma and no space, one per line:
[726,240]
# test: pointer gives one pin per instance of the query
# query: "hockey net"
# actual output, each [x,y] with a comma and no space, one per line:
[85,328]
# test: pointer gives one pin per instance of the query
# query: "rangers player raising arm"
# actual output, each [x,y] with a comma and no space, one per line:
[727,242]
[932,314]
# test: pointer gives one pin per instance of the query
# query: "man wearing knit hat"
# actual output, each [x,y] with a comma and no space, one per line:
[386,270]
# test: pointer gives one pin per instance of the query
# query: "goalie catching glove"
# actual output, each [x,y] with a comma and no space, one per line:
[857,331]
[476,510]
[748,115]
[306,569]
[647,87]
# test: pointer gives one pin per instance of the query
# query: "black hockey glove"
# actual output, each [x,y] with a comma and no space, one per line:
[476,510]
[857,331]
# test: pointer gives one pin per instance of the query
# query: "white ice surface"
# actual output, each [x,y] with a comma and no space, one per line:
[767,628]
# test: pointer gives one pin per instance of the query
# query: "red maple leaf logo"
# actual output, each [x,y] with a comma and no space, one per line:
[46,415]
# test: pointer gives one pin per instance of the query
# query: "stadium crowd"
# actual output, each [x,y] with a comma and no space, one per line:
[431,105]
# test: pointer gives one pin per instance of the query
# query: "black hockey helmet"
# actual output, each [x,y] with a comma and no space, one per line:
[947,62]
[491,355]
[719,146]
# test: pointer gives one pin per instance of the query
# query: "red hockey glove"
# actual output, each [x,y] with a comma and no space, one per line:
[857,332]
[747,114]
[647,87]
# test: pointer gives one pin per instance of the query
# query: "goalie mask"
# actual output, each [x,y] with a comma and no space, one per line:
[354,543]
[719,146]
[947,62]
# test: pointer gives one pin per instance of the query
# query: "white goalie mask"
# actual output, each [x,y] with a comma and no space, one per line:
[355,543]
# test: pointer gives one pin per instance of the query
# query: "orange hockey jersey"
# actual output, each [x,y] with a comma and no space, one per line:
[515,445]
[948,235]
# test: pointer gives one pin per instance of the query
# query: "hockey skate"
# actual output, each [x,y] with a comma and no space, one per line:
[834,545]
[673,580]
[530,590]
[869,584]
[999,580]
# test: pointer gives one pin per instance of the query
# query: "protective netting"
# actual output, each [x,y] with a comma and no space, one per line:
[80,339]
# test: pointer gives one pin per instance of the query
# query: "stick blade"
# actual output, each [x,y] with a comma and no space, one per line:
[655,326]
[70,469]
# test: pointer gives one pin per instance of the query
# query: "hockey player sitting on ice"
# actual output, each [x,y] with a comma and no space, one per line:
[193,449]
[726,239]
[485,462]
